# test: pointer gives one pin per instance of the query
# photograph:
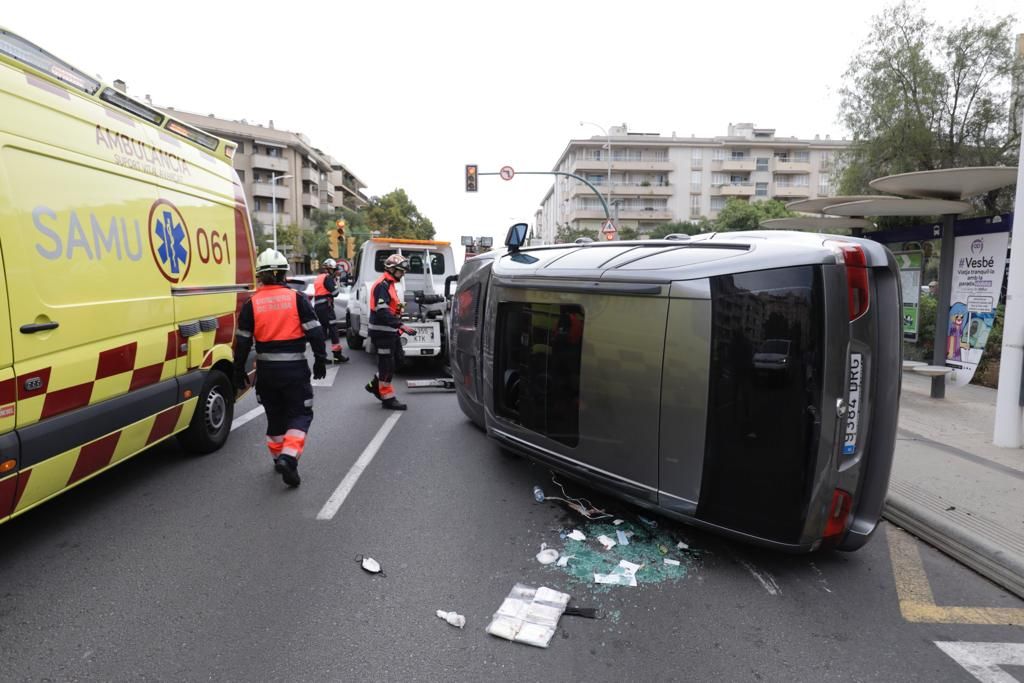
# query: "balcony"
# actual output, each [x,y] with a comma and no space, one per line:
[746,164]
[733,190]
[790,166]
[310,199]
[790,190]
[269,163]
[310,173]
[624,189]
[643,162]
[646,214]
[268,190]
[266,218]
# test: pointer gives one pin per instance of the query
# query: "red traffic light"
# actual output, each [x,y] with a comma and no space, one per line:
[470,177]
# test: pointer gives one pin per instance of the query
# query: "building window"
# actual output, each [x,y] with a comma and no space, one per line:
[240,149]
[762,163]
[696,179]
[696,158]
[782,156]
[718,154]
[826,160]
[241,176]
[695,205]
[738,155]
[274,152]
[718,179]
[717,203]
[824,190]
[761,190]
[802,156]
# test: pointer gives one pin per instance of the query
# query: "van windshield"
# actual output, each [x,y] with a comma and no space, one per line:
[415,261]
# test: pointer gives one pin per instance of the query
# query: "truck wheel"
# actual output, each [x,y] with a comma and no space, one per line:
[355,342]
[211,423]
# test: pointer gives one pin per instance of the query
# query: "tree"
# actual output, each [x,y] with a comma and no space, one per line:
[683,227]
[394,215]
[742,215]
[567,235]
[923,97]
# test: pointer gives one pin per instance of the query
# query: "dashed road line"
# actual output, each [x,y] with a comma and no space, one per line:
[917,603]
[246,418]
[333,503]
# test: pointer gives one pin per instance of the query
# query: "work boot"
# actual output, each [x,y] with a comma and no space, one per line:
[278,465]
[289,470]
[373,386]
[393,404]
[340,357]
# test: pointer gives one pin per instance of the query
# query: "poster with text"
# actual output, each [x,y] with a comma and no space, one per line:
[979,262]
[910,263]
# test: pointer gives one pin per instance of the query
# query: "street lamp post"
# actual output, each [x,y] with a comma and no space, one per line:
[608,145]
[273,201]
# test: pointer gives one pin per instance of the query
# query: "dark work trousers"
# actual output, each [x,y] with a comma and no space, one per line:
[325,314]
[284,390]
[388,348]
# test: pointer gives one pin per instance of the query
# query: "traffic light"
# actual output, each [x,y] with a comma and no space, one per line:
[332,243]
[470,177]
[336,237]
[350,248]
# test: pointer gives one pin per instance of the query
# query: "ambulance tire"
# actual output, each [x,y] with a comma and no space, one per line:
[211,423]
[355,342]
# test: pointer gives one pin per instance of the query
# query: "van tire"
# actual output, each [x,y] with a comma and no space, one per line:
[355,342]
[211,422]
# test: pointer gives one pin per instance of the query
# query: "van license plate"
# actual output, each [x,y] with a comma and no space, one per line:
[856,381]
[424,333]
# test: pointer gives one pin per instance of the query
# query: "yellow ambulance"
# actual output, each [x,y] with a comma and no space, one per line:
[126,252]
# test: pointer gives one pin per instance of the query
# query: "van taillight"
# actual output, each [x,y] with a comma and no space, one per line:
[838,514]
[856,262]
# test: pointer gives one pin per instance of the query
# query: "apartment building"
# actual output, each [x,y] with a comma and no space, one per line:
[656,179]
[307,178]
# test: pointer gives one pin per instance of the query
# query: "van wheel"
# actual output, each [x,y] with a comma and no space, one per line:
[355,342]
[211,423]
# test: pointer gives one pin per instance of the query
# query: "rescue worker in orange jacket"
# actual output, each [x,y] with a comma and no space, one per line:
[385,328]
[281,321]
[324,287]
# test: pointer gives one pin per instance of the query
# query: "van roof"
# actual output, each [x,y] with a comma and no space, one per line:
[22,54]
[398,240]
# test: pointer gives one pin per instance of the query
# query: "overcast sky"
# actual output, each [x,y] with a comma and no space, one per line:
[406,93]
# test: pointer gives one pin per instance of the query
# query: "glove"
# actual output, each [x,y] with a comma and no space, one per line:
[241,378]
[319,367]
[411,331]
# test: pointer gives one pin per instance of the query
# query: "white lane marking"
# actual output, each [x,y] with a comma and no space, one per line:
[766,580]
[333,503]
[983,660]
[246,418]
[328,381]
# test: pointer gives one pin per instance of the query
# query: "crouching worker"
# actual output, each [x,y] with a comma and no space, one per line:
[281,321]
[385,327]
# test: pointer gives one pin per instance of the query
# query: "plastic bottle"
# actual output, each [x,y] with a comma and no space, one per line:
[453,618]
[538,494]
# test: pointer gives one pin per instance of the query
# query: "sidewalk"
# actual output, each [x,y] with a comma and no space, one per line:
[951,487]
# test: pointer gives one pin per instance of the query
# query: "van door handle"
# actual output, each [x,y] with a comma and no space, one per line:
[39,327]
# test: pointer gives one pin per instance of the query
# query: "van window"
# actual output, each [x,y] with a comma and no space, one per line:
[415,261]
[538,349]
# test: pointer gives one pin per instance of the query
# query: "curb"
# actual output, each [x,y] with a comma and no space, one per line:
[987,547]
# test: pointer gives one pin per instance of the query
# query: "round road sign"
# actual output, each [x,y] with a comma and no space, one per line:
[507,173]
[344,265]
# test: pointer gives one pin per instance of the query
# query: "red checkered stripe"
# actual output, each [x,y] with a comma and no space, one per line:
[118,370]
[32,486]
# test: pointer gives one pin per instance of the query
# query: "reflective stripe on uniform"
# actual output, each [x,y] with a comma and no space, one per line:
[243,333]
[381,328]
[383,352]
[280,356]
[308,403]
[310,324]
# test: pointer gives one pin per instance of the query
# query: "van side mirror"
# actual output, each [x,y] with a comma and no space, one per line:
[516,237]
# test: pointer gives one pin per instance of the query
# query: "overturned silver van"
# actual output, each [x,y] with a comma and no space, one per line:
[746,382]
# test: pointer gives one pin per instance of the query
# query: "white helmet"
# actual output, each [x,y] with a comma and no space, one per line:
[330,264]
[271,260]
[396,262]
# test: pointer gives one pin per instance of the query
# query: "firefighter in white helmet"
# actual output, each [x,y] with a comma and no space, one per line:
[385,328]
[282,322]
[325,287]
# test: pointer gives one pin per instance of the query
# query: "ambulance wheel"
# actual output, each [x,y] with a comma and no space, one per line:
[355,342]
[211,423]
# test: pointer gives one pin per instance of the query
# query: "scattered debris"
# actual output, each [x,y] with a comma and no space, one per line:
[663,549]
[563,561]
[547,555]
[623,575]
[529,615]
[585,612]
[576,535]
[580,505]
[682,546]
[649,522]
[617,522]
[623,538]
[453,618]
[606,542]
[670,561]
[370,565]
[951,508]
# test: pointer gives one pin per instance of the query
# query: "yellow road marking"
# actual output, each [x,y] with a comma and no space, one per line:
[915,593]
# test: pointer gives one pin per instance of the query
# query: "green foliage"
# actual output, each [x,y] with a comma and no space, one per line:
[394,215]
[567,235]
[627,232]
[742,215]
[921,96]
[682,227]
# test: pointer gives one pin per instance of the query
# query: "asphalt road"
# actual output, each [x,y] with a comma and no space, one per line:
[172,567]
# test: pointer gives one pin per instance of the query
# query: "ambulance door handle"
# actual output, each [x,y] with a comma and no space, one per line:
[39,327]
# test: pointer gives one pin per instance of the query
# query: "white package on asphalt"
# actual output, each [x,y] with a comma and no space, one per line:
[529,615]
